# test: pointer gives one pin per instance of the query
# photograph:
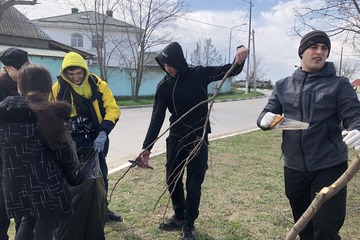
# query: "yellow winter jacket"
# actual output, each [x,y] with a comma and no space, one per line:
[104,110]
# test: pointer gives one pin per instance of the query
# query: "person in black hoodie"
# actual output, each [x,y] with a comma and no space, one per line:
[316,157]
[12,59]
[181,89]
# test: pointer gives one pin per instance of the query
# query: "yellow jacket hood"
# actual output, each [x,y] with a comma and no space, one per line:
[73,59]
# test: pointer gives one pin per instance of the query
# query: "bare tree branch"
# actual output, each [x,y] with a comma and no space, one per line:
[6,4]
[205,53]
[9,3]
[337,18]
[347,69]
[102,38]
[149,16]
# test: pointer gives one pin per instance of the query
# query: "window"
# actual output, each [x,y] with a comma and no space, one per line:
[77,40]
[97,41]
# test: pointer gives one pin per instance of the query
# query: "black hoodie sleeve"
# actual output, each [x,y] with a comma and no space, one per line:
[156,122]
[216,73]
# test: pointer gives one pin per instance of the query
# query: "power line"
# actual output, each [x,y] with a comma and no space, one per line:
[209,24]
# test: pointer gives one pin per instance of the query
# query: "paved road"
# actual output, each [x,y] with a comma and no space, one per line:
[227,118]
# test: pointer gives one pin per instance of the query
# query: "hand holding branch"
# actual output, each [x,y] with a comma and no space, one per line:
[241,55]
[143,159]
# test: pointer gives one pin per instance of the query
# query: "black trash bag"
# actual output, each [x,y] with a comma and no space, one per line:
[89,202]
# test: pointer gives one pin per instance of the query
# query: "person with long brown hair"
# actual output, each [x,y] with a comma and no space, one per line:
[39,157]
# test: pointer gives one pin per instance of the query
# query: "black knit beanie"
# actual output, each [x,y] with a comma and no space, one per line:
[14,57]
[312,38]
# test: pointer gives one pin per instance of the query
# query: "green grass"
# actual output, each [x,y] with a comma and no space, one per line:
[242,199]
[148,100]
[243,195]
[128,101]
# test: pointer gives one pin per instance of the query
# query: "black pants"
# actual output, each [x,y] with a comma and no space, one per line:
[4,221]
[43,228]
[178,150]
[26,228]
[301,188]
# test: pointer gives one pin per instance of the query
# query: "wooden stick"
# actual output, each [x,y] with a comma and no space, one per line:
[325,194]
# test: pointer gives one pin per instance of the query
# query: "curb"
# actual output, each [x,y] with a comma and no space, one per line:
[162,152]
[216,101]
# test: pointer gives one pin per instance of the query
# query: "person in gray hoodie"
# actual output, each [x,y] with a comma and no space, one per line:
[182,88]
[314,158]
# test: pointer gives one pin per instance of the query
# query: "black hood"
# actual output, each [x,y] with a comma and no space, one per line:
[173,55]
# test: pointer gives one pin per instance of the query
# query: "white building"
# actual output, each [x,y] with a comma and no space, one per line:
[83,30]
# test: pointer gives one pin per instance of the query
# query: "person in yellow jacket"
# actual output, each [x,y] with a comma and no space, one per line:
[94,109]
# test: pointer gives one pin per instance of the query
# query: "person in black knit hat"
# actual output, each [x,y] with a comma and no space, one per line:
[14,57]
[312,38]
[316,157]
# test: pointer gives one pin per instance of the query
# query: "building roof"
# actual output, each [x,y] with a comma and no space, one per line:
[38,52]
[18,31]
[355,82]
[84,18]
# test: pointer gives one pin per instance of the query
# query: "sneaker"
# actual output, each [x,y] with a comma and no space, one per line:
[112,216]
[188,233]
[172,224]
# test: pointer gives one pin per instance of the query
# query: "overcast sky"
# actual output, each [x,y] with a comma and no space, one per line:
[272,21]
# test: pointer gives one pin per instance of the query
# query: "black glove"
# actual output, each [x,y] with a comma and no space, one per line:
[77,180]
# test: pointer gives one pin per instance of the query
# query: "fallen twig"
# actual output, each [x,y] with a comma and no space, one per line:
[133,164]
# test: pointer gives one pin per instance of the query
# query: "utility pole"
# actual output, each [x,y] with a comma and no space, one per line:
[254,65]
[341,58]
[248,60]
[231,36]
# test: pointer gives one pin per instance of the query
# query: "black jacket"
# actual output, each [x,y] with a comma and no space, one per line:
[35,177]
[182,92]
[8,87]
[325,101]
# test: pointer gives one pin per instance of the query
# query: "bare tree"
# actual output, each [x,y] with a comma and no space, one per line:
[205,53]
[257,72]
[149,16]
[347,68]
[5,4]
[98,14]
[340,17]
